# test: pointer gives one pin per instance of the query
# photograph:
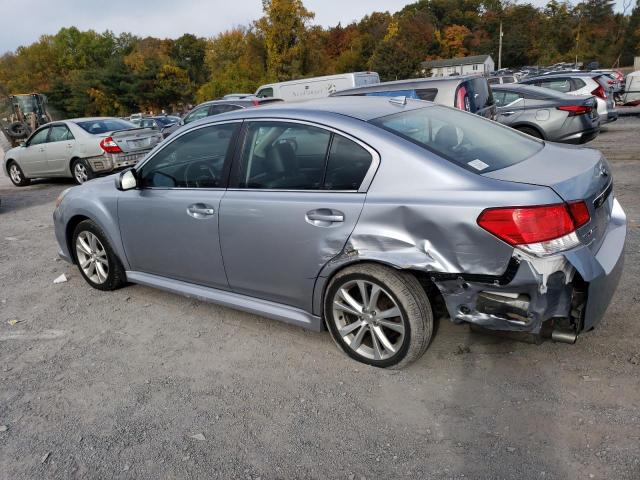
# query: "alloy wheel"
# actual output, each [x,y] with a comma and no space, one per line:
[14,173]
[92,257]
[368,319]
[80,172]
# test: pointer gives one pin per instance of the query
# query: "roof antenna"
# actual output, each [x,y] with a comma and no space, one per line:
[398,100]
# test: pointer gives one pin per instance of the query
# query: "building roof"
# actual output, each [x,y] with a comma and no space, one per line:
[450,62]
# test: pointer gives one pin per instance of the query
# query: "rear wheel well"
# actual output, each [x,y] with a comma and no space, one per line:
[435,297]
[71,226]
[71,162]
[523,128]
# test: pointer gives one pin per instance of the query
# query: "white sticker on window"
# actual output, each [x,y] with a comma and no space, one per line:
[477,164]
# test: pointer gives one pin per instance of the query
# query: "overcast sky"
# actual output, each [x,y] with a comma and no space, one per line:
[23,21]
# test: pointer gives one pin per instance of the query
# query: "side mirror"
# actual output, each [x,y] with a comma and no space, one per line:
[127,180]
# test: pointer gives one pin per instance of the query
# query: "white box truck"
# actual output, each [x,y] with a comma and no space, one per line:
[316,87]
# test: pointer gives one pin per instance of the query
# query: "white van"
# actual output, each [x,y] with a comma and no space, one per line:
[316,87]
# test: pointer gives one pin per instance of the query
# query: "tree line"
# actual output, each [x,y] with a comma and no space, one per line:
[90,73]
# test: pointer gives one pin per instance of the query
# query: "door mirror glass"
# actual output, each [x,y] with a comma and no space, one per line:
[127,180]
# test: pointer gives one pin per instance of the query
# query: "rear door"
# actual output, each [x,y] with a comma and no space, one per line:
[60,149]
[169,225]
[295,196]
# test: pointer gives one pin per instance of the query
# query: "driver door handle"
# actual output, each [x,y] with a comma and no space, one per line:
[200,210]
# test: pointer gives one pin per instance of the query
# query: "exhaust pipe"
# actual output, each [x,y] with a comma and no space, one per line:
[564,336]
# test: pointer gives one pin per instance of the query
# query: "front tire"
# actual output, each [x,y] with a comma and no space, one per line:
[81,171]
[378,315]
[96,259]
[17,175]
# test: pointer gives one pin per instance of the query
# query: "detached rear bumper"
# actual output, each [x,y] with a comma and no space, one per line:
[602,271]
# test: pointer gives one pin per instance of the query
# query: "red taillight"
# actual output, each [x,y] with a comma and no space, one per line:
[575,109]
[109,145]
[255,102]
[579,212]
[611,82]
[528,225]
[600,92]
[460,94]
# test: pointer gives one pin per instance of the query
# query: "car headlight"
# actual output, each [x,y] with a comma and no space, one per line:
[61,196]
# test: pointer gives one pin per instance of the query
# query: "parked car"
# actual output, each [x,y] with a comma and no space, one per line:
[237,96]
[547,114]
[580,83]
[316,87]
[165,124]
[466,92]
[360,214]
[500,79]
[216,107]
[80,148]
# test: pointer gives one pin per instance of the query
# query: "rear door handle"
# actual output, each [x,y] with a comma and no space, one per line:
[506,114]
[200,210]
[324,217]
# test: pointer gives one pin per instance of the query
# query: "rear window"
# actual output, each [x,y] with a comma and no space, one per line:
[467,140]
[104,125]
[428,94]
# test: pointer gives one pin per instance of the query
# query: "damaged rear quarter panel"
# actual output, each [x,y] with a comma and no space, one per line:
[420,213]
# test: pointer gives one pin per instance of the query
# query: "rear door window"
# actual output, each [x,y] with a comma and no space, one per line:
[505,98]
[428,94]
[223,108]
[196,114]
[284,156]
[60,133]
[558,84]
[347,166]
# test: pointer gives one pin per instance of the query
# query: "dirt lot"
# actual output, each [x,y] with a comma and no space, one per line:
[143,384]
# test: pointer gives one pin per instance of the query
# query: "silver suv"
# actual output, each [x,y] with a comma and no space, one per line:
[580,83]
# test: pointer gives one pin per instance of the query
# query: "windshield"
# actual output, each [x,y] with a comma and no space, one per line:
[104,125]
[470,141]
[27,103]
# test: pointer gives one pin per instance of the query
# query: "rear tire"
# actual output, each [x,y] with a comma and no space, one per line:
[17,175]
[530,131]
[81,171]
[378,315]
[97,261]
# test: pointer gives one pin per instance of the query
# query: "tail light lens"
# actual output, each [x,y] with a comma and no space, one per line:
[109,145]
[255,102]
[575,109]
[540,230]
[600,92]
[579,213]
[460,96]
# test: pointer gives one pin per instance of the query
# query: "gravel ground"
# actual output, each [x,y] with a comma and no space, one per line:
[140,383]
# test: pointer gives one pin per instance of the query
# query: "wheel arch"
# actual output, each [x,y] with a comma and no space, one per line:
[328,273]
[531,126]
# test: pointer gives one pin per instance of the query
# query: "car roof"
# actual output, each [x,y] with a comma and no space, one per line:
[237,101]
[565,74]
[409,83]
[92,119]
[532,90]
[361,108]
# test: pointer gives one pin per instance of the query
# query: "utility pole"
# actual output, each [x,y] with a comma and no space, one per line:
[500,48]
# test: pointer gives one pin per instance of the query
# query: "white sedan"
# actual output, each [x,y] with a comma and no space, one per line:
[79,148]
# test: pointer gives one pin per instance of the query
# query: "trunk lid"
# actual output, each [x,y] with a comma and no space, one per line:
[135,139]
[574,174]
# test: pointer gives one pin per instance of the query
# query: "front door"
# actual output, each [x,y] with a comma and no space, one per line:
[33,157]
[169,225]
[60,149]
[294,199]
[510,106]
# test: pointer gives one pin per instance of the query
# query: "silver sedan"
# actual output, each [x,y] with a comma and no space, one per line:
[360,214]
[80,148]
